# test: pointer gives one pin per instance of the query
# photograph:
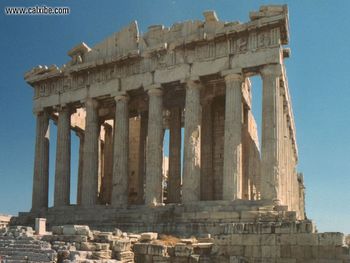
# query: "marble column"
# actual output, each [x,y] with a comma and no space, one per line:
[80,166]
[270,141]
[232,171]
[121,152]
[207,177]
[41,162]
[174,182]
[154,153]
[142,157]
[91,143]
[107,179]
[63,154]
[192,147]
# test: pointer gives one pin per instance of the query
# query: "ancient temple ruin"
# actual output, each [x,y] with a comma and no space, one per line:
[191,79]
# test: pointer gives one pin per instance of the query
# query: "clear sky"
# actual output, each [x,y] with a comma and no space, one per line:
[318,73]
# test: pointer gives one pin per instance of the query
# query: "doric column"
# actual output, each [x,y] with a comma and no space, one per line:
[41,162]
[80,166]
[270,140]
[121,152]
[154,153]
[232,174]
[63,152]
[192,149]
[207,177]
[174,182]
[90,168]
[142,157]
[107,179]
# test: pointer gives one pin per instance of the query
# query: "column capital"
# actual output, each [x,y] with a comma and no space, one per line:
[65,107]
[193,84]
[152,86]
[236,77]
[91,102]
[155,92]
[107,126]
[121,97]
[273,70]
[38,112]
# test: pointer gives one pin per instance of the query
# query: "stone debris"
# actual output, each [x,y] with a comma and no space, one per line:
[18,244]
[250,242]
[148,236]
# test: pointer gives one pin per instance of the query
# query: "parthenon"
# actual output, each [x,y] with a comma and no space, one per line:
[192,81]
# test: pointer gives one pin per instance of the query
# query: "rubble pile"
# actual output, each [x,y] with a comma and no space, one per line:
[19,244]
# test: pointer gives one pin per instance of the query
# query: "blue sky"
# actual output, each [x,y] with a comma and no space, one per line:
[318,73]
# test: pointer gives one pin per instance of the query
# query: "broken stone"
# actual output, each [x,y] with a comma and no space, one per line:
[148,236]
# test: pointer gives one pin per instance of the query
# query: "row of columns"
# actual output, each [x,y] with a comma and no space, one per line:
[232,170]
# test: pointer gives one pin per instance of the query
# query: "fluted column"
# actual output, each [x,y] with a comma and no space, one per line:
[63,154]
[121,152]
[270,140]
[142,157]
[232,174]
[192,149]
[90,168]
[107,179]
[80,166]
[154,153]
[174,182]
[207,177]
[41,162]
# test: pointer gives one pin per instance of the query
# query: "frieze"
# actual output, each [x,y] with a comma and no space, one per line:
[128,53]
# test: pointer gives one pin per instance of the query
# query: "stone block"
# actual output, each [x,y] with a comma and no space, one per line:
[121,245]
[267,239]
[138,258]
[326,252]
[284,228]
[236,239]
[125,256]
[148,236]
[140,248]
[157,250]
[202,248]
[270,251]
[342,252]
[305,239]
[117,232]
[82,230]
[79,255]
[183,250]
[286,239]
[57,230]
[235,250]
[90,246]
[105,237]
[250,239]
[161,259]
[65,238]
[105,254]
[69,230]
[40,226]
[331,238]
[285,251]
